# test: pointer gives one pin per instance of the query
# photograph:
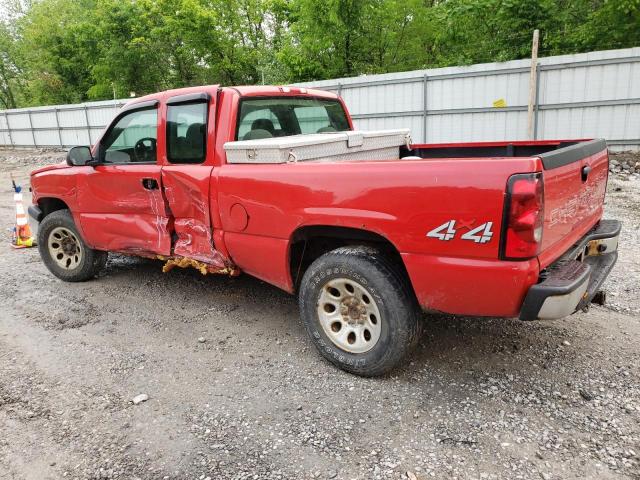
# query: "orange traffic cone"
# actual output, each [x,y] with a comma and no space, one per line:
[22,237]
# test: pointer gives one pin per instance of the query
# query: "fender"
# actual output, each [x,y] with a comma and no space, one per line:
[60,182]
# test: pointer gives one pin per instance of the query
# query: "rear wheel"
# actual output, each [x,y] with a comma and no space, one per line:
[359,310]
[64,252]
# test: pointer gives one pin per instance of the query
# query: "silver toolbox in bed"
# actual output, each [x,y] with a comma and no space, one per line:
[358,145]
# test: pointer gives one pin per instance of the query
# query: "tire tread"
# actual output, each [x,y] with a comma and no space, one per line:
[396,281]
[94,260]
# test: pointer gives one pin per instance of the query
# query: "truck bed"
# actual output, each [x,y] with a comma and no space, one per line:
[527,148]
[575,176]
[401,200]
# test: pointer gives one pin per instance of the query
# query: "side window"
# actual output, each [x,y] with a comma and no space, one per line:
[187,132]
[132,139]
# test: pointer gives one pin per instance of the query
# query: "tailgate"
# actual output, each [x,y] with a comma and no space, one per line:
[575,180]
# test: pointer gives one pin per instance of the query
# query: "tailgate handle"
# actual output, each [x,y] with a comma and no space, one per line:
[150,183]
[586,170]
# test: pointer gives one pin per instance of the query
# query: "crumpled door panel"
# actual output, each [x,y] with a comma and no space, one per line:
[137,234]
[118,213]
[186,188]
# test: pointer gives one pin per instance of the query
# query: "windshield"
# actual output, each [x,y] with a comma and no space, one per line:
[280,117]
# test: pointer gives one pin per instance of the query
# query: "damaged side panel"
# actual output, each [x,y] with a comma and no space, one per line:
[119,212]
[186,188]
[134,233]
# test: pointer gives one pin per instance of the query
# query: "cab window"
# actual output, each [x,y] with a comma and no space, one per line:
[133,139]
[284,116]
[187,132]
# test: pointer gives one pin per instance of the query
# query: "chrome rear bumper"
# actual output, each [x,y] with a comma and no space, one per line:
[572,281]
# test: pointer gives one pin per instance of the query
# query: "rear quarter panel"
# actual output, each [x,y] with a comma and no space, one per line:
[400,200]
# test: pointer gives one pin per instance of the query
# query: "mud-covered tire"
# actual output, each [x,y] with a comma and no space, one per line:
[57,237]
[375,276]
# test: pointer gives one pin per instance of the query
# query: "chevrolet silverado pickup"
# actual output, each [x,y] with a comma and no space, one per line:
[507,229]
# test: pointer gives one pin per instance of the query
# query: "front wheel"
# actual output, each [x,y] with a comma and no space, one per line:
[64,252]
[359,310]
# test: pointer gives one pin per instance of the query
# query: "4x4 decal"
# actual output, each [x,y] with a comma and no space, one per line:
[447,231]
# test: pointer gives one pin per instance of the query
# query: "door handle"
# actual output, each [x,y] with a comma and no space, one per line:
[150,183]
[586,170]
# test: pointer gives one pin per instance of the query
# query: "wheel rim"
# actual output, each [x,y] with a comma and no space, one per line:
[65,248]
[349,315]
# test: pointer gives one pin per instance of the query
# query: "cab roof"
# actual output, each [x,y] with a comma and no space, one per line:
[259,90]
[243,91]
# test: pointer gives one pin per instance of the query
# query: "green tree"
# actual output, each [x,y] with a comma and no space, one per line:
[349,37]
[475,31]
[60,51]
[613,24]
[129,58]
[57,48]
[10,73]
[148,45]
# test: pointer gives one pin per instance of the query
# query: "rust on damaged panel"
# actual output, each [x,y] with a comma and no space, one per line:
[203,268]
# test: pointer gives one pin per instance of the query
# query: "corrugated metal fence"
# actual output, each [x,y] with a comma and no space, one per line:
[61,125]
[586,95]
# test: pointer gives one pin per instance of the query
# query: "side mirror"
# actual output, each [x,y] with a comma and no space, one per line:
[80,156]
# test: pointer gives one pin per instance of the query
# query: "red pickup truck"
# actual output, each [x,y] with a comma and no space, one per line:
[508,229]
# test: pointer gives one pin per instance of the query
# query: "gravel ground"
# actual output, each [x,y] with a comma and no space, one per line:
[235,390]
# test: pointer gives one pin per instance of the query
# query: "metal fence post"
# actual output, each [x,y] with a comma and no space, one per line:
[58,126]
[33,133]
[6,118]
[425,80]
[537,102]
[86,119]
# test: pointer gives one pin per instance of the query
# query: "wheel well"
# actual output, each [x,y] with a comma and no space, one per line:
[309,243]
[49,205]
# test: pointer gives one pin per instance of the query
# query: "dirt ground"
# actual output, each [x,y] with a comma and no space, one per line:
[479,398]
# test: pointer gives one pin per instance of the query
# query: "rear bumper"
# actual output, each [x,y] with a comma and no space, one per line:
[570,283]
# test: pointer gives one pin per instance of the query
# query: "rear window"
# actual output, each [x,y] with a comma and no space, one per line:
[280,117]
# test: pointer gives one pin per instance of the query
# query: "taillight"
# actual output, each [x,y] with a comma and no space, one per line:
[524,216]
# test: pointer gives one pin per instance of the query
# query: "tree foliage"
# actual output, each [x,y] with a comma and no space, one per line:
[60,51]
